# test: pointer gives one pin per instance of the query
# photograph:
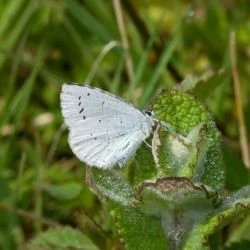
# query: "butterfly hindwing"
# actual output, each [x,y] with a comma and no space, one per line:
[104,130]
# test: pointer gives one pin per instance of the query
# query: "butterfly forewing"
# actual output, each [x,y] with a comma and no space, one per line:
[104,130]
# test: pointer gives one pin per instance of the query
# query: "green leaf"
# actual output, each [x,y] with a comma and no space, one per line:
[89,21]
[61,238]
[244,245]
[138,231]
[16,29]
[5,191]
[17,107]
[240,233]
[160,67]
[178,203]
[203,86]
[234,165]
[143,167]
[184,118]
[234,206]
[180,155]
[64,192]
[112,185]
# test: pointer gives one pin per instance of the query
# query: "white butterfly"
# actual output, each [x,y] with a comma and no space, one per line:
[104,129]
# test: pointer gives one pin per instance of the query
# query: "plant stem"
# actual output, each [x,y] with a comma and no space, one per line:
[238,102]
[125,44]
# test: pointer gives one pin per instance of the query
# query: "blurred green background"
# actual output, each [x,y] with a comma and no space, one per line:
[45,43]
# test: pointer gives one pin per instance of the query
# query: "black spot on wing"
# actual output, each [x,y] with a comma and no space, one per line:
[103,104]
[81,111]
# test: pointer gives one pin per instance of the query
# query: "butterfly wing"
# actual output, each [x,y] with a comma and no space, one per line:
[104,130]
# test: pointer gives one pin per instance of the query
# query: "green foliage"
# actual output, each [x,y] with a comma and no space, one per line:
[67,191]
[199,148]
[62,238]
[42,184]
[178,193]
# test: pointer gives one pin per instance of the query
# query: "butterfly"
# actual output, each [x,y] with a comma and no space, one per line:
[104,130]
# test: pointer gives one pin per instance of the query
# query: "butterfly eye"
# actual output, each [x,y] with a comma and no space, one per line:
[148,112]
